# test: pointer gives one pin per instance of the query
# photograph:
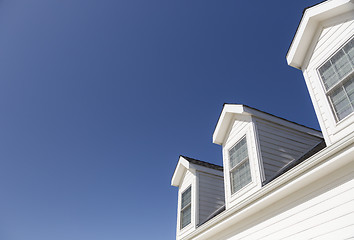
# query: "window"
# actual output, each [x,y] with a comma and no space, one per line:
[337,75]
[240,172]
[186,208]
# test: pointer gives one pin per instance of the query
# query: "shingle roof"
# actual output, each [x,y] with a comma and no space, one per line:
[270,114]
[202,163]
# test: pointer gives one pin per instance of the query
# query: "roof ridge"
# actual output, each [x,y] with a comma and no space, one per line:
[287,120]
[203,163]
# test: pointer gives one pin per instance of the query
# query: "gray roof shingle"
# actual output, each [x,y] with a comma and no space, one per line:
[202,163]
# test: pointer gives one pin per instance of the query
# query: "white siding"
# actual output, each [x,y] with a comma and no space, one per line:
[330,38]
[211,194]
[322,210]
[281,145]
[189,179]
[238,126]
[242,126]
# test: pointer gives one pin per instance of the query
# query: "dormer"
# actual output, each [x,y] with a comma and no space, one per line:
[200,193]
[257,147]
[323,48]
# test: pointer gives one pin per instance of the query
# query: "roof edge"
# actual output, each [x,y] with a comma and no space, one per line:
[186,163]
[230,110]
[311,18]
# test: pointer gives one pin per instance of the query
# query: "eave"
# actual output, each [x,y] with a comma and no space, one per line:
[181,167]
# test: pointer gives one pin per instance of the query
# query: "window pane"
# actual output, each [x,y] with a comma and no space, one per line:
[186,197]
[238,153]
[342,98]
[337,76]
[186,208]
[240,176]
[349,88]
[349,85]
[329,75]
[349,50]
[186,217]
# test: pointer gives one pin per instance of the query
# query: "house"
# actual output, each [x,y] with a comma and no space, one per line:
[282,180]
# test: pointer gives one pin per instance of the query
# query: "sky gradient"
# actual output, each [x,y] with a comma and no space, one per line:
[99,98]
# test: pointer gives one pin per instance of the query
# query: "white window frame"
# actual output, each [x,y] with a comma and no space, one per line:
[238,165]
[337,85]
[185,207]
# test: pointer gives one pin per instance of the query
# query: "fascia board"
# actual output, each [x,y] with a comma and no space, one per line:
[181,167]
[283,122]
[308,26]
[224,121]
[312,169]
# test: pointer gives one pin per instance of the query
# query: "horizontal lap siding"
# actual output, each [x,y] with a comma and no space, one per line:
[331,38]
[280,145]
[211,195]
[237,127]
[323,210]
[187,180]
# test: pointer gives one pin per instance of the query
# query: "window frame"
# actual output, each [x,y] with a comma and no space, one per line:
[189,205]
[238,165]
[337,85]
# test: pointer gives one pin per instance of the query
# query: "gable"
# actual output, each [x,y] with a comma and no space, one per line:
[310,23]
[329,37]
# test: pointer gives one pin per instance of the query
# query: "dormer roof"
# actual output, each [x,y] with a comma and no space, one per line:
[187,163]
[232,111]
[308,27]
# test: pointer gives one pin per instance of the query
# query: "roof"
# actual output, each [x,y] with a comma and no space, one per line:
[187,163]
[308,26]
[202,163]
[230,110]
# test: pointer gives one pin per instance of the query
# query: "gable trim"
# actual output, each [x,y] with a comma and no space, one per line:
[308,26]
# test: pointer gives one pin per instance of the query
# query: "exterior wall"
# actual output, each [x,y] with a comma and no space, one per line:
[211,194]
[321,210]
[280,145]
[332,35]
[189,179]
[242,126]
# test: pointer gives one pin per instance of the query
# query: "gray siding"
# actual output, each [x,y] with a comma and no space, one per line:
[211,195]
[280,145]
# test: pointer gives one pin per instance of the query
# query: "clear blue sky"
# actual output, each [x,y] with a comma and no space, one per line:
[99,98]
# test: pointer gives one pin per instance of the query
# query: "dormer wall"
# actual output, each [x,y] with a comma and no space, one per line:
[330,37]
[211,195]
[272,144]
[323,49]
[281,145]
[206,187]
